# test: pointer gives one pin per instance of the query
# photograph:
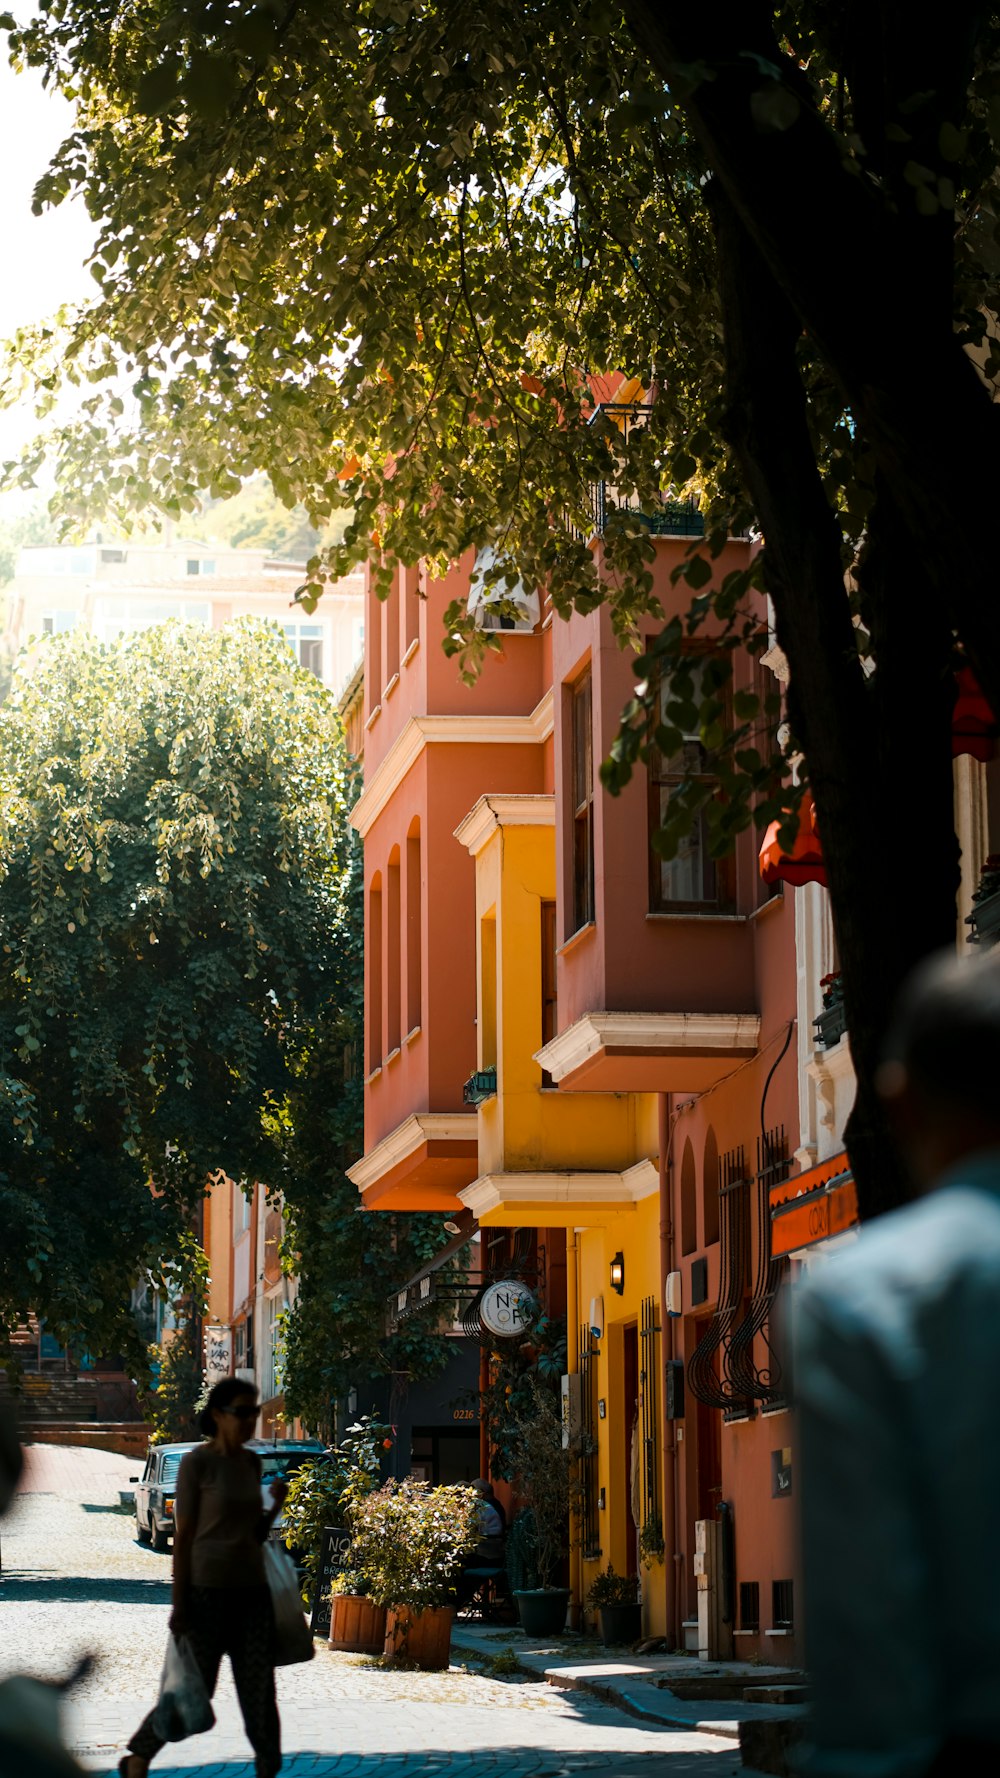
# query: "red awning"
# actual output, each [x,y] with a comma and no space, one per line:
[973,724]
[804,864]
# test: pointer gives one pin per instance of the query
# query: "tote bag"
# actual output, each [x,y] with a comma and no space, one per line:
[293,1638]
[183,1707]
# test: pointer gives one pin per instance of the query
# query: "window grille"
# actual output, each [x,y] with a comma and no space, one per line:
[749,1605]
[782,1611]
[749,1379]
[709,1377]
[649,1372]
[590,1521]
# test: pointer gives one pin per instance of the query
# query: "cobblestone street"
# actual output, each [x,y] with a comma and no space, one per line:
[74,1580]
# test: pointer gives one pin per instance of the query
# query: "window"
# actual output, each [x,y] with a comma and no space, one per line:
[374,948]
[393,937]
[582,791]
[128,617]
[390,612]
[689,1201]
[411,605]
[306,643]
[550,1022]
[272,1344]
[498,598]
[692,881]
[710,1190]
[242,1209]
[782,1612]
[57,623]
[413,929]
[749,1605]
[200,565]
[373,647]
[109,556]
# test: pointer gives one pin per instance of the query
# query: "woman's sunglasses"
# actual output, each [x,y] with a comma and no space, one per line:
[242,1413]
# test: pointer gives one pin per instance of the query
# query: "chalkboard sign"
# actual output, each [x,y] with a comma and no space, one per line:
[332,1557]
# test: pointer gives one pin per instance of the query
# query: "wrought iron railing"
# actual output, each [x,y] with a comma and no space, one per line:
[649,1374]
[661,516]
[709,1376]
[590,1532]
[751,1381]
[480,1086]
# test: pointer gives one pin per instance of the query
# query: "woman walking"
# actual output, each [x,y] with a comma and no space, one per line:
[221,1602]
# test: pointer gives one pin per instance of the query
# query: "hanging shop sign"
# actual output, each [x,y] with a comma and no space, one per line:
[218,1351]
[508,1309]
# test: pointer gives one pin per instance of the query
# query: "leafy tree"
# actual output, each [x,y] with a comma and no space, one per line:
[172,867]
[256,518]
[373,247]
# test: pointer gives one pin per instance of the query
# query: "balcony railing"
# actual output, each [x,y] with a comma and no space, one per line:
[480,1086]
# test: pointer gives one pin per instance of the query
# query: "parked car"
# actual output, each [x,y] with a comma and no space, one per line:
[154,1494]
[154,1489]
[279,1459]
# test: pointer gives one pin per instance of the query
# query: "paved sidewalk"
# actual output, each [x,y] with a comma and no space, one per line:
[74,1580]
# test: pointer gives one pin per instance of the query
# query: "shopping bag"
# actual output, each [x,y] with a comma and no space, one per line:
[293,1638]
[183,1707]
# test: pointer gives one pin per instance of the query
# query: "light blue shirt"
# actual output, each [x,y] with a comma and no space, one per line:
[897,1378]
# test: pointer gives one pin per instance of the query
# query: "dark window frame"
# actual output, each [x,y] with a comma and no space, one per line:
[666,774]
[581,785]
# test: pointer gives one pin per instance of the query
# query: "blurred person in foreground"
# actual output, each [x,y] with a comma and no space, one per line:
[897,1380]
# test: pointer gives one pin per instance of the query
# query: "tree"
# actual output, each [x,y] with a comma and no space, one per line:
[172,868]
[374,248]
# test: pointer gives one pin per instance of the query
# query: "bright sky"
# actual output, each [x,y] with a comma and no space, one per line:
[43,255]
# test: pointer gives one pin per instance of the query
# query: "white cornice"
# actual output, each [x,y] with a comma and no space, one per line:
[653,1033]
[423,731]
[493,812]
[406,1138]
[492,1190]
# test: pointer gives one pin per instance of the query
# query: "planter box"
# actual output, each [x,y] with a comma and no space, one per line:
[985,921]
[831,1025]
[357,1626]
[419,1638]
[542,1610]
[620,1624]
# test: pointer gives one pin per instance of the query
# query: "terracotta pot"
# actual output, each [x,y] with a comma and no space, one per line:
[357,1627]
[422,1638]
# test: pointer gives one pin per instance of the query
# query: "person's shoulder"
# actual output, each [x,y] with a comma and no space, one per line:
[194,1460]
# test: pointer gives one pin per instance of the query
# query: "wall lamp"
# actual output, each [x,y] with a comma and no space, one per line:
[618,1273]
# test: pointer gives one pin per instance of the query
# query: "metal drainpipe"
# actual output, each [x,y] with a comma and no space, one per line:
[671,1533]
[572,1316]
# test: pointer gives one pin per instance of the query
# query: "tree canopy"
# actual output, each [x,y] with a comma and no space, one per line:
[380,248]
[173,862]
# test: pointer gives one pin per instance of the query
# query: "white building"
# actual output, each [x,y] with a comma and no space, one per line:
[121,587]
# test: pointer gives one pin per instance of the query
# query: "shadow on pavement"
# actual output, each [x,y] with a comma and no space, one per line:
[15,1585]
[511,1762]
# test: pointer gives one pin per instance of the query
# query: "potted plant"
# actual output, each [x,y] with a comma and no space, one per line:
[357,1625]
[322,1492]
[615,1598]
[539,1540]
[408,1542]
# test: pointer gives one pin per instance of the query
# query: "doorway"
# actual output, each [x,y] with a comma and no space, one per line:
[632,1454]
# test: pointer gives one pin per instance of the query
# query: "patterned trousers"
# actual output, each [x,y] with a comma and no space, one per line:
[238,1622]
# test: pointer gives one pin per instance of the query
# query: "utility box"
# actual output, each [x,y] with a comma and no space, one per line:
[570,1404]
[715,1636]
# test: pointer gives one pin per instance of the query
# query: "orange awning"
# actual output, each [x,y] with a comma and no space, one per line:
[804,864]
[813,1205]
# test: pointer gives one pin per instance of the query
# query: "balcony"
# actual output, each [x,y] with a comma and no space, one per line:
[985,916]
[480,1086]
[664,517]
[832,1021]
[420,1165]
[654,1052]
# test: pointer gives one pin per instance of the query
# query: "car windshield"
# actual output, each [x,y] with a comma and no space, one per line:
[284,1463]
[169,1465]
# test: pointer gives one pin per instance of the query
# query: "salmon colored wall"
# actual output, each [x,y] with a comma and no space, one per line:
[632,960]
[512,681]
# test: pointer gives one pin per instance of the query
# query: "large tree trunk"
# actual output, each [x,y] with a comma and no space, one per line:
[878,753]
[887,336]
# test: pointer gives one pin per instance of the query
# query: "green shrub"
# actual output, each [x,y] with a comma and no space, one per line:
[409,1540]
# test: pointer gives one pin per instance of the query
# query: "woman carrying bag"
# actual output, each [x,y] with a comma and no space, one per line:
[221,1600]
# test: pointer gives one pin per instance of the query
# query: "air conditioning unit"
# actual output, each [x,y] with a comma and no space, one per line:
[498,598]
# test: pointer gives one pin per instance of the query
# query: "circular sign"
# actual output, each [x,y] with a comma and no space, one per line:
[508,1309]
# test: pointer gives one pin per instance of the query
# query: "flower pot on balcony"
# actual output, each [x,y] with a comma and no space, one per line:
[542,1610]
[620,1624]
[357,1626]
[419,1638]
